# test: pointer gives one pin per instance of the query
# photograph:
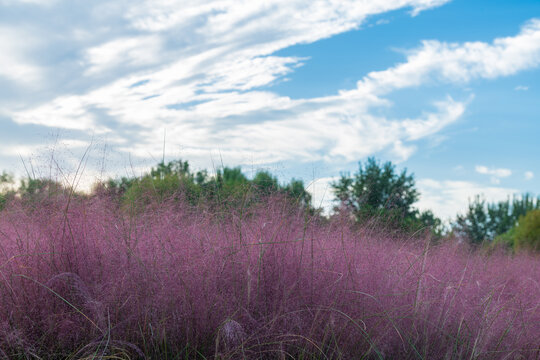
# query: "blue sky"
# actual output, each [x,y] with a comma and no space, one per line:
[445,88]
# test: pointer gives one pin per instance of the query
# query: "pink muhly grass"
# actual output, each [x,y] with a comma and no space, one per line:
[91,277]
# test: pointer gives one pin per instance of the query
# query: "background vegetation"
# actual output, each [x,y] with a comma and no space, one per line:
[376,195]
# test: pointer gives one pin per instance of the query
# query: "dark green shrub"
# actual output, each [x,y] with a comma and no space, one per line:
[527,232]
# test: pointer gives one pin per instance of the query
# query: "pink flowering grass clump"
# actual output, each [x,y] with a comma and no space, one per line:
[84,277]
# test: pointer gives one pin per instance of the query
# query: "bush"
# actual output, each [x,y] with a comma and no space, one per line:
[527,232]
[148,189]
[505,240]
[229,188]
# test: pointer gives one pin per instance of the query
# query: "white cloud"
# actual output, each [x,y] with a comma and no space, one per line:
[521,88]
[448,198]
[209,74]
[529,175]
[134,51]
[427,4]
[500,173]
[19,150]
[461,63]
[249,73]
[67,112]
[231,16]
[382,22]
[433,123]
[496,174]
[15,64]
[304,130]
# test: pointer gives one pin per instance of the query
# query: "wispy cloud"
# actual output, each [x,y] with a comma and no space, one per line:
[427,4]
[493,171]
[496,174]
[20,150]
[437,61]
[15,64]
[124,52]
[529,175]
[311,20]
[521,88]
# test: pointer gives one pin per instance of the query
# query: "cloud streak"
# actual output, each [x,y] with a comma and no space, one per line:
[15,65]
[496,174]
[437,61]
[135,52]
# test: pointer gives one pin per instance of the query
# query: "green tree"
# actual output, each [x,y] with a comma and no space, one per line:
[296,190]
[527,232]
[485,222]
[177,168]
[115,186]
[378,191]
[473,226]
[265,183]
[375,190]
[228,187]
[428,220]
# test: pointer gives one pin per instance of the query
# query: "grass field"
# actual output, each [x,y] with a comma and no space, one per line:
[84,278]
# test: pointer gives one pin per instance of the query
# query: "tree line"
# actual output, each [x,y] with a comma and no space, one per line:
[376,194]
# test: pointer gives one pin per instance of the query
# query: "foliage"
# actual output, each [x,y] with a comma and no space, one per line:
[474,224]
[30,190]
[37,189]
[527,231]
[265,183]
[296,191]
[116,187]
[6,180]
[484,221]
[427,220]
[377,191]
[229,187]
[166,181]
